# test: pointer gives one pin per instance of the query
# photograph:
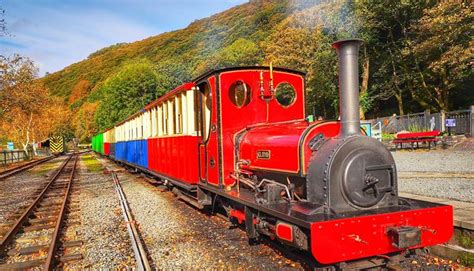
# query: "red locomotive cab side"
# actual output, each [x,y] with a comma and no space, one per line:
[243,97]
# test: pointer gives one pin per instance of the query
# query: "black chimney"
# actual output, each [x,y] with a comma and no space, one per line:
[348,54]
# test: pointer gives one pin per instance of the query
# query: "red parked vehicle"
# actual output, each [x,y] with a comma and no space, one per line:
[238,139]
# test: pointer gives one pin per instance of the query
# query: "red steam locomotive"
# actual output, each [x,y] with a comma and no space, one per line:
[237,139]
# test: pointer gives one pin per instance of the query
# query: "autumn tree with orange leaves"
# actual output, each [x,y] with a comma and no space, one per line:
[28,113]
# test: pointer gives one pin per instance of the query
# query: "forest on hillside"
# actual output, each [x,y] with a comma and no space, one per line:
[417,56]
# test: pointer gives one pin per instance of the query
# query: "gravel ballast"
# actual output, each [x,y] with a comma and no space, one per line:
[106,242]
[15,191]
[416,166]
[178,236]
[435,160]
[454,189]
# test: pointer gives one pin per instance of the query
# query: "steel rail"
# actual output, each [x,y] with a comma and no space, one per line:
[53,246]
[20,221]
[9,172]
[138,249]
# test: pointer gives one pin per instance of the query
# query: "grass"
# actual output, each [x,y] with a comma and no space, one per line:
[467,259]
[92,164]
[417,128]
[466,241]
[387,137]
[43,169]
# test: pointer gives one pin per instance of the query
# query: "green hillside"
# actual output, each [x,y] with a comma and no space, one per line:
[290,33]
[180,53]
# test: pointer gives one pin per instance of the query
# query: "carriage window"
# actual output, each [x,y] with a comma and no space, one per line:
[285,94]
[179,114]
[239,93]
[165,118]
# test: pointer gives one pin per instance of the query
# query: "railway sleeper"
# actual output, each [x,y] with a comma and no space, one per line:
[16,215]
[73,209]
[57,186]
[39,227]
[22,265]
[7,224]
[50,204]
[43,220]
[74,223]
[75,243]
[72,215]
[53,196]
[27,250]
[71,257]
[46,213]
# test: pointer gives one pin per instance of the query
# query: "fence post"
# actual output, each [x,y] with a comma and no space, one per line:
[442,118]
[427,115]
[471,122]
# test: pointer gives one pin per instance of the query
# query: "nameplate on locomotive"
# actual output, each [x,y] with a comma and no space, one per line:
[265,155]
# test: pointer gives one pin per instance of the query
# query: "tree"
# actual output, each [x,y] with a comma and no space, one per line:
[79,92]
[85,126]
[16,75]
[386,26]
[124,93]
[240,53]
[29,113]
[303,42]
[282,50]
[443,48]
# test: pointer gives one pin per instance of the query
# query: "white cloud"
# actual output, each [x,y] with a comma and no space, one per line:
[56,37]
[56,34]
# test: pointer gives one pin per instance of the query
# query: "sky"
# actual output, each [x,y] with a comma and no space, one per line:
[56,33]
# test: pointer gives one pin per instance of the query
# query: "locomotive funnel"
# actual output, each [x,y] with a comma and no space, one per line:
[348,54]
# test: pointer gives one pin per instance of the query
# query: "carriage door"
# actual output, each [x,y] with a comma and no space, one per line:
[208,158]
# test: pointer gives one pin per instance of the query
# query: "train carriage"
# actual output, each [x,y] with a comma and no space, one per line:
[237,138]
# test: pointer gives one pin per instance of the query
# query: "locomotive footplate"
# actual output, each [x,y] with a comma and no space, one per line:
[361,234]
[346,239]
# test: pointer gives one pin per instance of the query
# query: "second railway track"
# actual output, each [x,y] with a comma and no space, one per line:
[35,238]
[141,255]
[15,170]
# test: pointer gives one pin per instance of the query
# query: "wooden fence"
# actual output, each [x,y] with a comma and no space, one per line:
[7,157]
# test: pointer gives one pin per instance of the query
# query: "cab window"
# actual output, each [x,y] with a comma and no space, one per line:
[285,94]
[239,93]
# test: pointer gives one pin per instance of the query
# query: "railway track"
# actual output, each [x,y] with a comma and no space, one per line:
[141,255]
[36,237]
[12,171]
